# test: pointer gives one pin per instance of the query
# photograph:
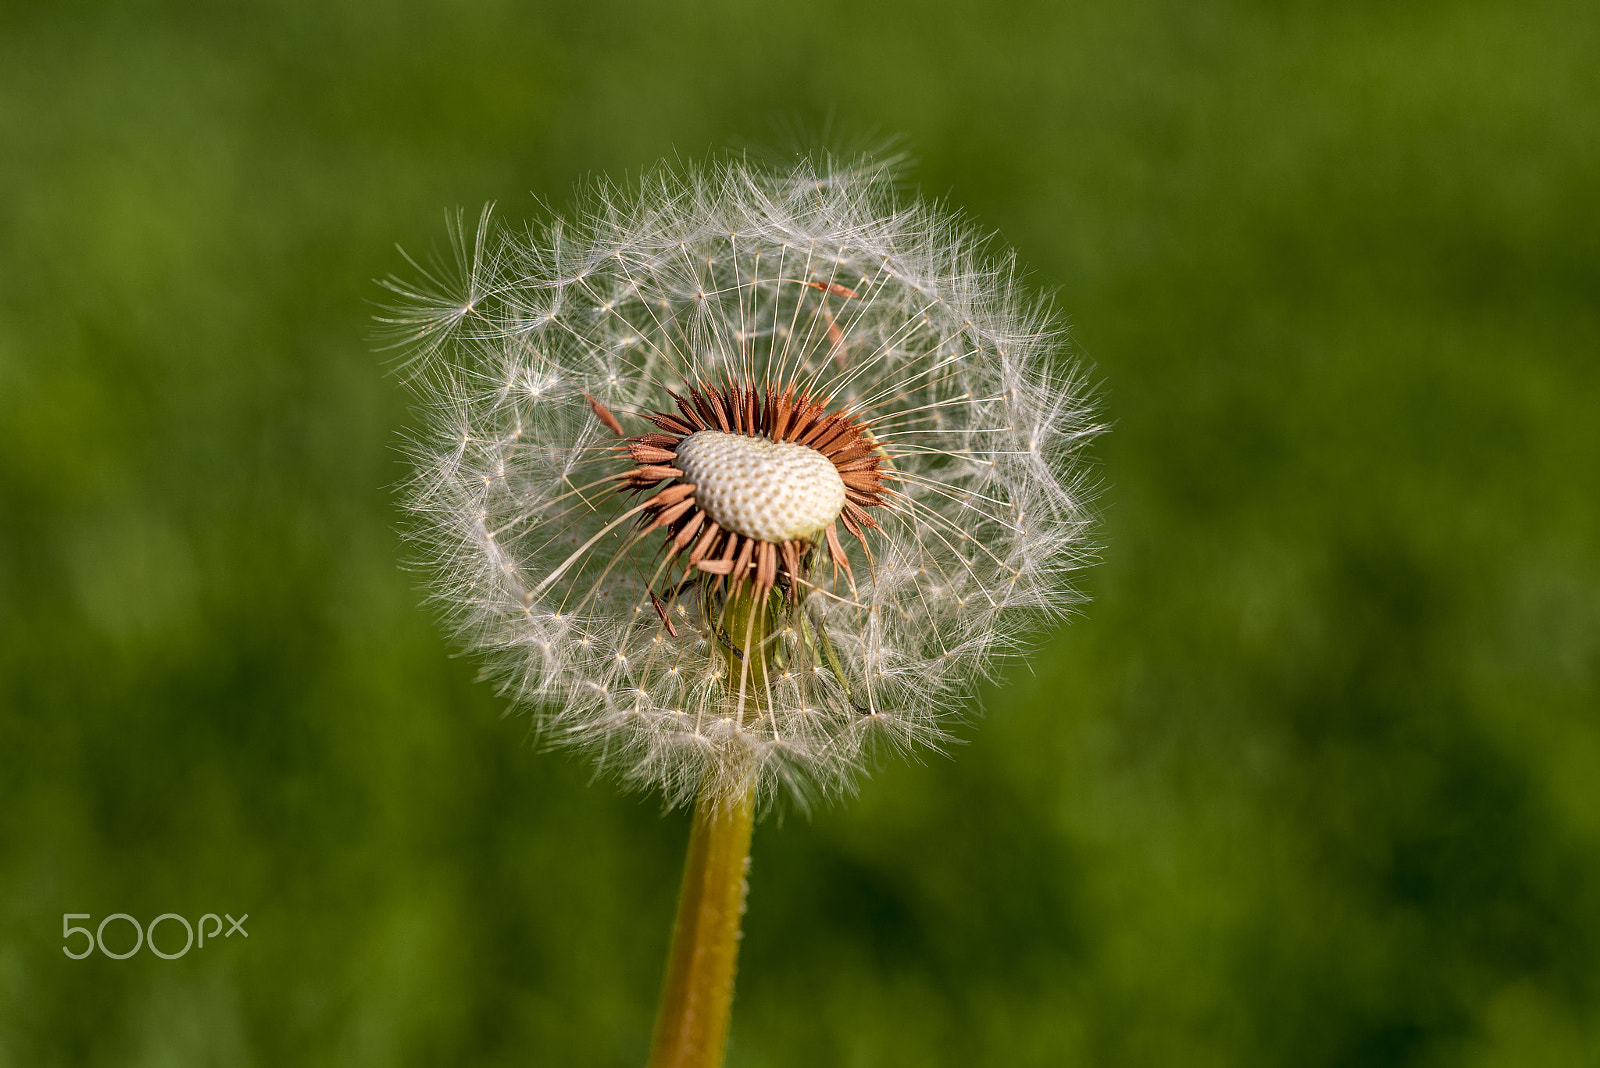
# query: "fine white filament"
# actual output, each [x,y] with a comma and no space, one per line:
[817,277]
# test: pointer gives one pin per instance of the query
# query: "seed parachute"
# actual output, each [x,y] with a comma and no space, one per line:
[744,472]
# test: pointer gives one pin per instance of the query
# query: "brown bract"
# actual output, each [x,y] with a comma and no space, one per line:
[779,414]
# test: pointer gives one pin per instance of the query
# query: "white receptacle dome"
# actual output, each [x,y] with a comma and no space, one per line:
[767,490]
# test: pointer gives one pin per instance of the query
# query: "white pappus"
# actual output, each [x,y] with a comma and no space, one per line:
[791,385]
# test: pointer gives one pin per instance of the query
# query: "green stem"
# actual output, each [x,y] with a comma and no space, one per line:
[692,1024]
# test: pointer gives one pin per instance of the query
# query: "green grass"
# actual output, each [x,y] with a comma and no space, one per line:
[1313,782]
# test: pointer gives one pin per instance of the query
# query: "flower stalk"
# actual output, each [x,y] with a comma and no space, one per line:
[697,995]
[692,1023]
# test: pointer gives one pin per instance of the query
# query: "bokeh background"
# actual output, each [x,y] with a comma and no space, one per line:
[1315,781]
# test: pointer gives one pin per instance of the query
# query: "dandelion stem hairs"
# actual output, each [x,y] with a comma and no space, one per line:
[745,472]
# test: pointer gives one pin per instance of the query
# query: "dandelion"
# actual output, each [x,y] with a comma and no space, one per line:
[741,477]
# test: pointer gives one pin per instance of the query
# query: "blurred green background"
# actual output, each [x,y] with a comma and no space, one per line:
[1314,782]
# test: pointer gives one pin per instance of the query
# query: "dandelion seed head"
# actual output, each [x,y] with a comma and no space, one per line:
[742,471]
